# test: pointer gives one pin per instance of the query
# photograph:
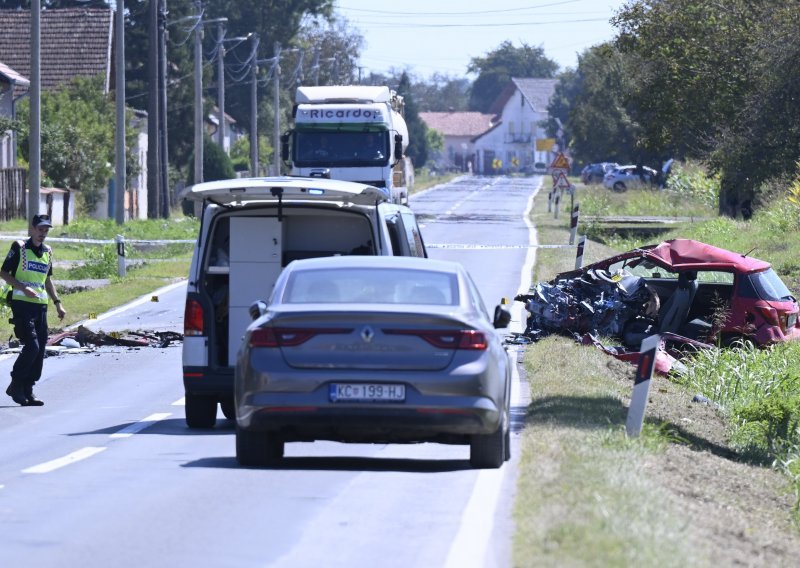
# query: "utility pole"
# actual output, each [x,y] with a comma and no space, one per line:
[198,95]
[119,94]
[254,109]
[277,144]
[221,86]
[153,115]
[35,141]
[163,159]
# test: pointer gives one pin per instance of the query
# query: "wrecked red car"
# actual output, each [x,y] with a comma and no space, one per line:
[679,286]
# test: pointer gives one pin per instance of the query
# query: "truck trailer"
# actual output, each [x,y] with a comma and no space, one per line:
[350,133]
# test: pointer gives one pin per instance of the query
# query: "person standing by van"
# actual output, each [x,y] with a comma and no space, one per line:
[28,269]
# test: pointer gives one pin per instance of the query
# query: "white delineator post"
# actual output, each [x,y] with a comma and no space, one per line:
[641,385]
[579,254]
[573,224]
[121,269]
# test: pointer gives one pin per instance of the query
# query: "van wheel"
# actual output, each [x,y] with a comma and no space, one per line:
[488,450]
[228,408]
[201,411]
[257,448]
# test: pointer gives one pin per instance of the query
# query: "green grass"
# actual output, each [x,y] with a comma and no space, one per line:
[758,390]
[155,266]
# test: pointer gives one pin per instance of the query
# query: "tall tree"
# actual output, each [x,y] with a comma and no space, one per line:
[500,65]
[417,131]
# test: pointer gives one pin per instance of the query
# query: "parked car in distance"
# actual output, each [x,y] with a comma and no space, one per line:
[251,228]
[594,173]
[373,350]
[623,177]
[706,293]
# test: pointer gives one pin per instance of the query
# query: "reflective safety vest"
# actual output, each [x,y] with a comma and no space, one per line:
[32,272]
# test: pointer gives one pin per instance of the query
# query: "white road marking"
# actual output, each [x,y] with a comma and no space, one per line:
[180,402]
[132,429]
[471,544]
[55,464]
[139,301]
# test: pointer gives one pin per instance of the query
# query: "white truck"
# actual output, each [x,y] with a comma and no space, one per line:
[350,133]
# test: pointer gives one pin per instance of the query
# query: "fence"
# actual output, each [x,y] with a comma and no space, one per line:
[12,193]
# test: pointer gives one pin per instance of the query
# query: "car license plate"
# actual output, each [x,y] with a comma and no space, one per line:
[367,392]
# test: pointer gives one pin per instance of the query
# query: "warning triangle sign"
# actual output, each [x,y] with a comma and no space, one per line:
[562,182]
[560,162]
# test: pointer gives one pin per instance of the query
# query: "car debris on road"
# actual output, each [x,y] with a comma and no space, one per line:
[84,340]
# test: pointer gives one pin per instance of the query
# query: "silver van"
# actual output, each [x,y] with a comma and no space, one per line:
[250,229]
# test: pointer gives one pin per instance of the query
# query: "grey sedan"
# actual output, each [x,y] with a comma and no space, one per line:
[373,349]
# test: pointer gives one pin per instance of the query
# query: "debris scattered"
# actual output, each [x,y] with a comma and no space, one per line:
[84,340]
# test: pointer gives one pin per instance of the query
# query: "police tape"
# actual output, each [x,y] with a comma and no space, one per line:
[491,247]
[104,241]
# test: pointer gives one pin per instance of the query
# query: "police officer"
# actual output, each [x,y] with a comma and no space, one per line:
[28,269]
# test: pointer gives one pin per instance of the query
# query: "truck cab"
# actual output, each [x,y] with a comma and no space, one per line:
[352,133]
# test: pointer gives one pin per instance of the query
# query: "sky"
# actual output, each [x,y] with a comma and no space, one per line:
[442,36]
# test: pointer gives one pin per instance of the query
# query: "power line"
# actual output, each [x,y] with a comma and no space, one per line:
[390,13]
[389,25]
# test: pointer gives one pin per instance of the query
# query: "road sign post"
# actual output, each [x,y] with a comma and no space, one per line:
[573,224]
[641,385]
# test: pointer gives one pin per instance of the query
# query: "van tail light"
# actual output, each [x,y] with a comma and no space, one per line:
[193,318]
[289,337]
[447,339]
[769,314]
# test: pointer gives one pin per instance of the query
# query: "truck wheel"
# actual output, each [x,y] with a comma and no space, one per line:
[228,408]
[201,411]
[488,450]
[257,448]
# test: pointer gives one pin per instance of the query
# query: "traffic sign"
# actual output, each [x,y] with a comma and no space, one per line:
[561,162]
[562,182]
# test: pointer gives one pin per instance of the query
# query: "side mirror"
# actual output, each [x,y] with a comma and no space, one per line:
[398,147]
[285,147]
[502,317]
[257,309]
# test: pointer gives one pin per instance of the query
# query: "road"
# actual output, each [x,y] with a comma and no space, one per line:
[107,474]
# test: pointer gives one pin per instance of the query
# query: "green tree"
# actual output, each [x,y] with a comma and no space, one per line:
[417,131]
[592,104]
[77,138]
[497,68]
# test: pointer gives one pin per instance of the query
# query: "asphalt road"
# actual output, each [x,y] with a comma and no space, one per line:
[107,474]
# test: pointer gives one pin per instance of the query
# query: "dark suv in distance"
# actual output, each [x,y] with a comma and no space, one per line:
[594,173]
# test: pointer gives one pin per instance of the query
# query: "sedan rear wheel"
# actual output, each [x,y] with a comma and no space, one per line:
[619,186]
[201,411]
[488,450]
[257,448]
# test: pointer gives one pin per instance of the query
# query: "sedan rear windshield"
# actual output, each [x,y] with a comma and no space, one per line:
[769,286]
[371,286]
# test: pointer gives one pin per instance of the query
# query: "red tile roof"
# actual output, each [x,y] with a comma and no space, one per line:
[458,123]
[74,42]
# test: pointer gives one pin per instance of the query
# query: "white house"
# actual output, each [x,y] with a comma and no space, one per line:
[511,144]
[458,129]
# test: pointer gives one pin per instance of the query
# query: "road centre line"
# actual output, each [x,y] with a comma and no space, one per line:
[132,429]
[58,463]
[470,546]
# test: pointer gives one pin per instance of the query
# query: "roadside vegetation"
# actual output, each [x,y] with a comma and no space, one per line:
[148,267]
[708,483]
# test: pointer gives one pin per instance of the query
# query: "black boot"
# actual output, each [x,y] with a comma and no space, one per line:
[17,393]
[32,400]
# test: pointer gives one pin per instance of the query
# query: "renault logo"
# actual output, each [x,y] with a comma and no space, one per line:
[367,333]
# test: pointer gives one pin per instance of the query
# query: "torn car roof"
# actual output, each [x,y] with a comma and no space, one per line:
[687,254]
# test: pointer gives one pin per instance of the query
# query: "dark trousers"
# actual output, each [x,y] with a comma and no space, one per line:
[30,327]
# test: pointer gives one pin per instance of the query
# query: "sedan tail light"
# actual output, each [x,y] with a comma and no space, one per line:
[193,318]
[769,314]
[289,337]
[447,339]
